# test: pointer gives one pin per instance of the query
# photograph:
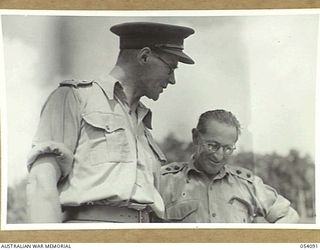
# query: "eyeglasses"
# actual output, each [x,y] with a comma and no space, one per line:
[215,146]
[171,69]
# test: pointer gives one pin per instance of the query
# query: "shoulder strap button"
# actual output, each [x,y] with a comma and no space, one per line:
[172,168]
[241,172]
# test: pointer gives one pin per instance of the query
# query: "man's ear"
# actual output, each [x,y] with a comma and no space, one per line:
[144,55]
[195,136]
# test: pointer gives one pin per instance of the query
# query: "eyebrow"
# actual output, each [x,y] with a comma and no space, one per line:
[173,63]
[223,145]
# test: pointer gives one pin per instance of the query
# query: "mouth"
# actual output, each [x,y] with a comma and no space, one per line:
[164,85]
[162,88]
[214,162]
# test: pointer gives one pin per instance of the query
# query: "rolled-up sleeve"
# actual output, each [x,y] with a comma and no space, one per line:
[58,129]
[272,205]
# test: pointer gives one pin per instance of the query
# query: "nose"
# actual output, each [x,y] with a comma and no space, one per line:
[172,79]
[219,154]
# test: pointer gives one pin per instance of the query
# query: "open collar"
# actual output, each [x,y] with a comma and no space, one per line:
[113,89]
[191,169]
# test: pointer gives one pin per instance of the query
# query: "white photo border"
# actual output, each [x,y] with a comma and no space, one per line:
[4,129]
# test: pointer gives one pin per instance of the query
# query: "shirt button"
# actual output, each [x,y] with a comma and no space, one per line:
[213,214]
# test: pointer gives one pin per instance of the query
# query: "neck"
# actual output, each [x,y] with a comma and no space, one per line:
[198,165]
[128,82]
[211,176]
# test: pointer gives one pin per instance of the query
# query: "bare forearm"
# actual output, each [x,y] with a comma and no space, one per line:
[43,207]
[43,204]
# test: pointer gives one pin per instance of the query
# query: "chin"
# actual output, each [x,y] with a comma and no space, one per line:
[152,97]
[214,168]
[155,98]
[212,173]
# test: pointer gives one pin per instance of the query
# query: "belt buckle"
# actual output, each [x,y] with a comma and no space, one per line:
[143,216]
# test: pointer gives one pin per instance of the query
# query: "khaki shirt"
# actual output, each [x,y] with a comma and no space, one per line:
[235,195]
[106,154]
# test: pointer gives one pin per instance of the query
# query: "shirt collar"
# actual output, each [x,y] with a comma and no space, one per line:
[113,88]
[108,83]
[144,114]
[191,169]
[228,171]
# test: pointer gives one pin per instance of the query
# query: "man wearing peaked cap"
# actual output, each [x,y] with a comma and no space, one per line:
[163,37]
[93,158]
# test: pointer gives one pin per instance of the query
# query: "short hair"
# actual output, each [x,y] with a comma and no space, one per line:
[127,55]
[218,115]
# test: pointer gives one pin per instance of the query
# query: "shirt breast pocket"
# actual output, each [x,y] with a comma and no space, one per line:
[181,211]
[240,210]
[107,134]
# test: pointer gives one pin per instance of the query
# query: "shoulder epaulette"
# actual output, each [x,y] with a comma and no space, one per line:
[242,173]
[75,83]
[173,168]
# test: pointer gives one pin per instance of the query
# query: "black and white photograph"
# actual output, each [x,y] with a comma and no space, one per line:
[176,119]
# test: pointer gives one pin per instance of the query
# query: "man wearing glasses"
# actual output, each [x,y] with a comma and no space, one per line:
[93,157]
[208,190]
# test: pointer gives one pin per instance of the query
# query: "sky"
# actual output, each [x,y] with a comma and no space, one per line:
[262,68]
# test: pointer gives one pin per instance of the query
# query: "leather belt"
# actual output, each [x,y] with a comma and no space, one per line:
[103,213]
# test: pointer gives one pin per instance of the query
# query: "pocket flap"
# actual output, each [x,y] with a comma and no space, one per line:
[242,204]
[181,210]
[107,121]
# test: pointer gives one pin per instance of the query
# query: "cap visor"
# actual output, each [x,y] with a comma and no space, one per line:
[182,57]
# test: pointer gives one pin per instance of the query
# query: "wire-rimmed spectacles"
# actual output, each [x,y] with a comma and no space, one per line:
[214,146]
